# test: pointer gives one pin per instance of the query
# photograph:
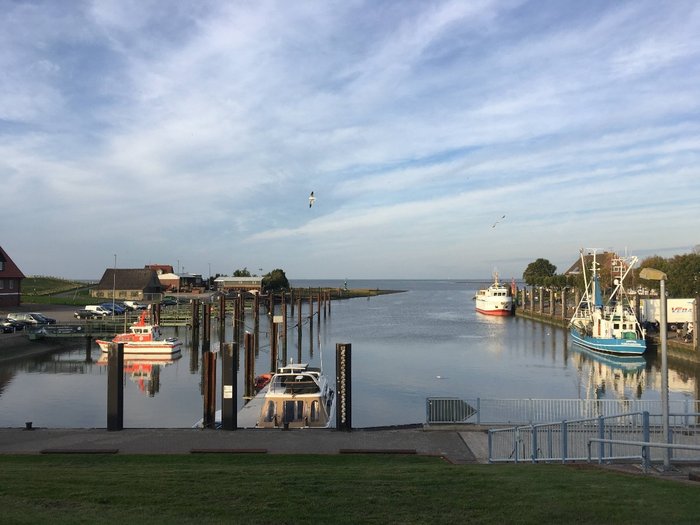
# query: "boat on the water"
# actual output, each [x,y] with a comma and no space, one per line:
[494,300]
[143,338]
[297,396]
[609,326]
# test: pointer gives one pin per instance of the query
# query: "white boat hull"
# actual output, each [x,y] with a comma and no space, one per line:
[145,347]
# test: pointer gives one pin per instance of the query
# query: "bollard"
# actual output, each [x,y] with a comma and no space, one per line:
[115,386]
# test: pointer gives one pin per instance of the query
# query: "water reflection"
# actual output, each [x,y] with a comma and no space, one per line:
[144,370]
[605,375]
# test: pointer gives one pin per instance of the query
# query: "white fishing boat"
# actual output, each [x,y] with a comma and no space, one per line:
[494,300]
[143,338]
[609,326]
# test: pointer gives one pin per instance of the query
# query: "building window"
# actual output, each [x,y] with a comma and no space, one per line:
[2,284]
[12,284]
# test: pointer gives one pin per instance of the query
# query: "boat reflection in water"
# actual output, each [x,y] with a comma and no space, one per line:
[610,376]
[144,369]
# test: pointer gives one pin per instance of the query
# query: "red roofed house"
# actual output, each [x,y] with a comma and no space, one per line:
[10,281]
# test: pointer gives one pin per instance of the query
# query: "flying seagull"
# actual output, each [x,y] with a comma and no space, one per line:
[499,220]
[312,199]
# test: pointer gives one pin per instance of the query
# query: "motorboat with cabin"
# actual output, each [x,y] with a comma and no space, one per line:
[143,338]
[297,396]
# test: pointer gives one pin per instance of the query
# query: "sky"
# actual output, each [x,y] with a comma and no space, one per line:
[441,139]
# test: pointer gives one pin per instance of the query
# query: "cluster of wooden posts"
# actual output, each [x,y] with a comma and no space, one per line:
[279,309]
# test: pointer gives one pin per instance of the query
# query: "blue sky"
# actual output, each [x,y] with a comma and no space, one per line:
[191,134]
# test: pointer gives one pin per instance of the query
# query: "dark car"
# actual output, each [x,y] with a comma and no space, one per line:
[168,301]
[114,308]
[87,314]
[32,318]
[10,325]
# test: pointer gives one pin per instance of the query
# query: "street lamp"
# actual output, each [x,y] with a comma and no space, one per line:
[657,275]
[114,283]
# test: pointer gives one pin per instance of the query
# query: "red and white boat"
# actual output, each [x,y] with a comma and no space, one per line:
[497,299]
[143,338]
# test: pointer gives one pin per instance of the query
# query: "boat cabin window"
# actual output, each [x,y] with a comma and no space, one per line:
[293,411]
[269,412]
[314,414]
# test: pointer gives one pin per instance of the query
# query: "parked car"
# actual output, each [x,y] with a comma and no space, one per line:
[9,325]
[31,318]
[101,310]
[114,308]
[87,314]
[134,305]
[168,301]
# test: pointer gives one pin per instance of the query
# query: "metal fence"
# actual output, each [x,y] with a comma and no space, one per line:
[487,411]
[603,439]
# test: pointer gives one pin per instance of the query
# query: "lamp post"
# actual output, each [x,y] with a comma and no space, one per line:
[658,275]
[114,283]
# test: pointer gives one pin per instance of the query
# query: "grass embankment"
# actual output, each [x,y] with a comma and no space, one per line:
[38,289]
[328,489]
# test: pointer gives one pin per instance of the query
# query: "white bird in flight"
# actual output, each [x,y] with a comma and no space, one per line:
[312,199]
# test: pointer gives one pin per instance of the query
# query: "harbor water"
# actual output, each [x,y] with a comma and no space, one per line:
[425,341]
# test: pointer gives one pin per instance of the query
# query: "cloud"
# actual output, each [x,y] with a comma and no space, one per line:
[415,123]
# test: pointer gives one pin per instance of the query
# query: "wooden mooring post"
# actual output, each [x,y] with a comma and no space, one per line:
[209,388]
[249,366]
[115,386]
[229,392]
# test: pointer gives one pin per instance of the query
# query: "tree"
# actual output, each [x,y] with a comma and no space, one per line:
[242,273]
[537,271]
[274,281]
[682,271]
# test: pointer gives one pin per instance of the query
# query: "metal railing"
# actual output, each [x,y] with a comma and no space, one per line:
[623,437]
[485,411]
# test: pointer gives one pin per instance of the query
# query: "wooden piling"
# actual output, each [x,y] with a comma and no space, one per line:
[206,333]
[222,322]
[284,327]
[195,315]
[249,364]
[229,392]
[115,386]
[209,389]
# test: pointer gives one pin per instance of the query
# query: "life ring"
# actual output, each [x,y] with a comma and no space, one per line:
[140,338]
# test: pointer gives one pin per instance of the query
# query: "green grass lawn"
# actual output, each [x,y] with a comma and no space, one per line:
[328,489]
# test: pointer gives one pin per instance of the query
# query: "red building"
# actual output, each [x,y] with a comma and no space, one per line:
[10,281]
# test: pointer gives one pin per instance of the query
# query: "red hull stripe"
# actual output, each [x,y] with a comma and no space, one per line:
[494,312]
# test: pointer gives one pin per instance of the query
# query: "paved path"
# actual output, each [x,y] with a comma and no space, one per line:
[450,444]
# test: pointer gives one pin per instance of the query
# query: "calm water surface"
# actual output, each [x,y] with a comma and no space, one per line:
[426,341]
